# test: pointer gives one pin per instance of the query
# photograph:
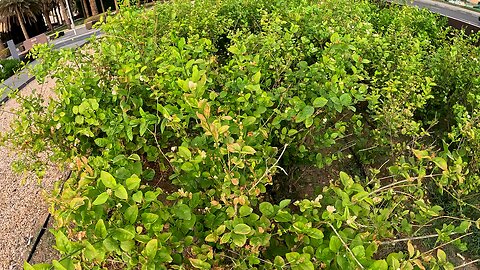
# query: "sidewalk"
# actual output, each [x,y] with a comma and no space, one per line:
[22,78]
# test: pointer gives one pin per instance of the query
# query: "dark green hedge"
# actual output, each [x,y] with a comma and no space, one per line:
[9,67]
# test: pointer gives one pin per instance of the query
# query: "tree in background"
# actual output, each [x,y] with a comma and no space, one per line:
[63,10]
[47,6]
[93,7]
[20,10]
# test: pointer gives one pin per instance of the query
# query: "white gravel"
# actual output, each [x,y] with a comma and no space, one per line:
[23,208]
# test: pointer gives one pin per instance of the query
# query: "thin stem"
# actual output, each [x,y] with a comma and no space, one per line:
[449,242]
[411,238]
[465,264]
[346,246]
[439,217]
[269,169]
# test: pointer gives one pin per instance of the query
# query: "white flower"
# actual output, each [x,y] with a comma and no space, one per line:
[331,209]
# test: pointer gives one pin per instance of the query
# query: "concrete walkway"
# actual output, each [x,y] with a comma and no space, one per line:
[22,78]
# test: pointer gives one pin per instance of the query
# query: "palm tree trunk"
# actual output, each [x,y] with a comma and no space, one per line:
[93,7]
[46,14]
[22,23]
[57,17]
[63,9]
[101,4]
[85,5]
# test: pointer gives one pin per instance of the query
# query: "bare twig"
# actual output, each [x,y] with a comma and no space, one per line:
[269,169]
[346,246]
[449,242]
[411,238]
[468,263]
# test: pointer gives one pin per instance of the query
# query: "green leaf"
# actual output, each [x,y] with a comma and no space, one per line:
[149,217]
[211,238]
[292,257]
[441,163]
[379,265]
[245,210]
[182,211]
[27,266]
[61,242]
[225,238]
[335,243]
[345,99]
[121,234]
[239,239]
[58,266]
[320,102]
[151,248]
[315,233]
[121,192]
[305,265]
[279,261]
[127,245]
[131,214]
[100,229]
[184,152]
[137,196]
[283,216]
[242,229]
[359,252]
[267,209]
[334,37]
[133,182]
[187,166]
[107,179]
[40,266]
[89,251]
[164,256]
[304,113]
[101,199]
[249,121]
[110,244]
[134,157]
[102,142]
[129,132]
[284,203]
[441,255]
[463,227]
[199,264]
[256,77]
[248,150]
[220,229]
[346,180]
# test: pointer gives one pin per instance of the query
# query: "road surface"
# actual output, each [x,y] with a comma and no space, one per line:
[448,10]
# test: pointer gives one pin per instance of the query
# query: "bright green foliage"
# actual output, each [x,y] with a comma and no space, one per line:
[9,67]
[178,121]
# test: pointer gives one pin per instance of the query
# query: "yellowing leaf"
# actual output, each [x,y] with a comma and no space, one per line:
[248,150]
[419,264]
[442,257]
[420,154]
[411,249]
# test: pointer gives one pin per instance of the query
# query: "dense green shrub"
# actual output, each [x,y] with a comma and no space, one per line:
[9,67]
[180,121]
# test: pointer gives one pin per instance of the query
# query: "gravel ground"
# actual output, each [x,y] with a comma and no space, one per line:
[23,209]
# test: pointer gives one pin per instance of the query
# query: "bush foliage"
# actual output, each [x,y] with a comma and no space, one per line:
[180,123]
[9,67]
